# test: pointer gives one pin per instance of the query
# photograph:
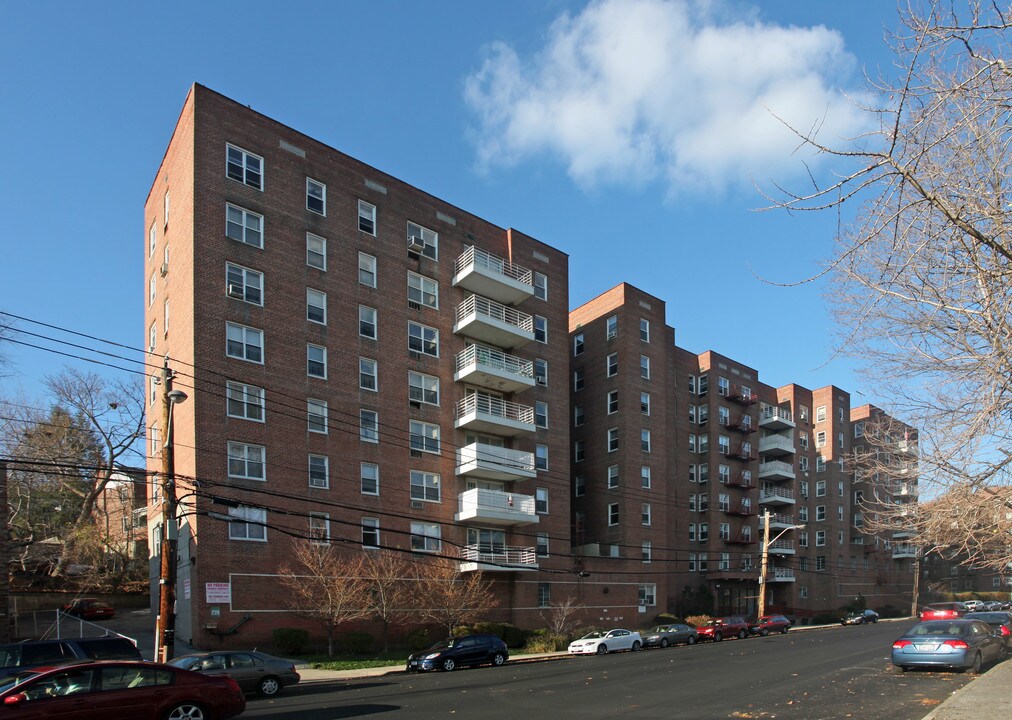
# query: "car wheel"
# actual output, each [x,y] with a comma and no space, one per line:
[498,659]
[664,643]
[636,645]
[602,649]
[764,632]
[449,664]
[691,640]
[978,661]
[717,637]
[784,629]
[186,711]
[1002,653]
[268,686]
[744,634]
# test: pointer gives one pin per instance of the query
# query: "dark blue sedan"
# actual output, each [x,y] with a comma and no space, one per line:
[954,644]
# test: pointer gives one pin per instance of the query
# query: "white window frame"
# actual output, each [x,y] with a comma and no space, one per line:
[425,486]
[317,420]
[426,537]
[429,238]
[578,379]
[578,344]
[374,479]
[243,401]
[313,477]
[367,218]
[613,514]
[371,530]
[240,218]
[820,413]
[152,239]
[646,515]
[541,372]
[240,452]
[612,444]
[645,403]
[251,282]
[613,477]
[368,371]
[247,518]
[541,329]
[579,451]
[424,338]
[611,328]
[364,322]
[644,367]
[541,457]
[646,551]
[541,500]
[423,436]
[316,247]
[319,528]
[647,595]
[541,545]
[646,481]
[367,269]
[423,388]
[423,290]
[644,330]
[316,300]
[540,411]
[316,191]
[322,360]
[645,443]
[540,286]
[368,426]
[612,402]
[246,334]
[611,365]
[246,172]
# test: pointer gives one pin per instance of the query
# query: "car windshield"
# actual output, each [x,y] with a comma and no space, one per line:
[593,635]
[16,679]
[939,629]
[661,628]
[444,644]
[182,662]
[712,623]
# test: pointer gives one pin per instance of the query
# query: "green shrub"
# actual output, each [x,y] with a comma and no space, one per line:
[418,639]
[543,642]
[357,643]
[290,641]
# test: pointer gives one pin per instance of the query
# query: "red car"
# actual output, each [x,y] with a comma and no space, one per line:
[89,609]
[943,611]
[121,690]
[723,627]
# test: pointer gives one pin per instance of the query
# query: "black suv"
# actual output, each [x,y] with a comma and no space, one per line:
[456,651]
[15,657]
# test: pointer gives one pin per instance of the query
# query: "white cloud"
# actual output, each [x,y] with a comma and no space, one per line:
[632,90]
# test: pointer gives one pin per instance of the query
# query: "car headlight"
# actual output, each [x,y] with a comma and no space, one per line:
[431,656]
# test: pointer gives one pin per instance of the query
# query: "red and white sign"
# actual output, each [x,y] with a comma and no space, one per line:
[218,592]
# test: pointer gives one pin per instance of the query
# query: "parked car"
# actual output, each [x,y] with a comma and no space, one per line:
[457,651]
[769,624]
[254,671]
[860,618]
[974,605]
[601,642]
[89,609]
[664,635]
[956,643]
[1000,620]
[121,690]
[719,628]
[15,657]
[992,605]
[943,611]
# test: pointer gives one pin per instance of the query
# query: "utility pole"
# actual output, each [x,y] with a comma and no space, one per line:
[763,562]
[917,583]
[5,577]
[165,635]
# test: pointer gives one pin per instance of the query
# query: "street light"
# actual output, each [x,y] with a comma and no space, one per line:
[766,556]
[165,636]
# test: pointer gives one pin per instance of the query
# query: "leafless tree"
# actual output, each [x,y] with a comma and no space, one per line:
[326,585]
[451,597]
[563,617]
[392,586]
[921,280]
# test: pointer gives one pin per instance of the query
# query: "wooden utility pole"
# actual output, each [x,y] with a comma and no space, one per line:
[165,634]
[764,560]
[5,566]
[915,601]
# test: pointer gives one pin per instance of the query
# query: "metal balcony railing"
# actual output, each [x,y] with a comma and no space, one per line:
[493,455]
[772,492]
[498,554]
[477,403]
[480,500]
[483,307]
[476,257]
[772,412]
[492,358]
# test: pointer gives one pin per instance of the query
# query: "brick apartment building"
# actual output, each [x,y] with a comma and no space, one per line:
[122,510]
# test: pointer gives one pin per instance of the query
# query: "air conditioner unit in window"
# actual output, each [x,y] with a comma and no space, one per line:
[164,269]
[416,453]
[417,505]
[416,244]
[413,305]
[236,291]
[541,379]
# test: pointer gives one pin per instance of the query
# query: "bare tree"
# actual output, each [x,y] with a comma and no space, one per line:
[922,274]
[563,617]
[325,585]
[392,588]
[450,597]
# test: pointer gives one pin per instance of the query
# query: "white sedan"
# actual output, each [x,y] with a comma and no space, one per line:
[600,643]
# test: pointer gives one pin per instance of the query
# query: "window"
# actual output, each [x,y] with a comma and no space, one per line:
[702,385]
[541,501]
[244,166]
[425,537]
[424,486]
[369,478]
[725,561]
[577,415]
[611,327]
[723,502]
[366,217]
[644,330]
[647,595]
[723,415]
[703,444]
[803,463]
[612,476]
[423,290]
[541,457]
[245,401]
[612,401]
[820,538]
[367,374]
[692,562]
[645,440]
[578,344]
[544,595]
[820,413]
[645,514]
[820,488]
[724,531]
[152,239]
[540,286]
[367,270]
[246,461]
[820,562]
[316,306]
[540,372]
[840,413]
[370,532]
[423,339]
[244,343]
[429,239]
[316,196]
[645,403]
[802,513]
[423,388]
[612,439]
[723,444]
[319,471]
[859,429]
[820,513]
[724,474]
[319,532]
[540,414]
[703,502]
[247,523]
[692,532]
[541,545]
[540,329]
[612,365]
[839,512]
[244,284]
[165,316]
[644,367]
[316,412]
[579,485]
[645,477]
[368,426]
[802,538]
[578,379]
[723,386]
[820,439]
[701,562]
[579,452]
[244,226]
[704,532]
[316,251]
[152,288]
[820,464]
[423,437]
[613,514]
[367,322]
[803,439]
[646,551]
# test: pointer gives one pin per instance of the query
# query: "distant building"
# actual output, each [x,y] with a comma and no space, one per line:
[122,511]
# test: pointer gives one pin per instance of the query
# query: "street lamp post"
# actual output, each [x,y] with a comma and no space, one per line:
[764,564]
[165,636]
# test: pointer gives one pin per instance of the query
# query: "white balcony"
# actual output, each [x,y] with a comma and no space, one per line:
[779,574]
[777,520]
[772,417]
[495,507]
[904,550]
[486,274]
[903,534]
[497,558]
[776,470]
[774,495]
[905,490]
[490,462]
[781,547]
[493,323]
[493,369]
[776,445]
[489,414]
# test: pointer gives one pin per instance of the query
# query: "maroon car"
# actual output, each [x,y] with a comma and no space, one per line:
[720,628]
[89,609]
[121,690]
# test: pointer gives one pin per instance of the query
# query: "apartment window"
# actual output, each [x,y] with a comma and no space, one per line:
[612,401]
[316,411]
[369,478]
[244,343]
[611,327]
[424,486]
[840,414]
[367,270]
[704,532]
[702,385]
[244,226]
[319,528]
[319,471]
[645,440]
[541,545]
[540,414]
[316,251]
[578,379]
[612,476]
[724,531]
[803,513]
[423,339]
[803,439]
[613,514]
[692,562]
[803,463]
[725,561]
[611,368]
[612,439]
[723,502]
[693,442]
[859,429]
[820,488]
[425,537]
[820,538]
[839,488]
[316,361]
[367,322]
[802,538]
[368,426]
[645,514]
[645,481]
[541,457]
[723,474]
[316,306]
[540,372]
[152,288]
[646,551]
[541,501]
[152,239]
[645,403]
[703,502]
[644,330]
[579,452]
[244,284]
[245,401]
[423,290]
[245,461]
[723,415]
[423,388]
[544,595]
[839,441]
[820,513]
[366,217]
[367,374]
[723,444]
[579,485]
[424,437]
[577,415]
[370,532]
[820,562]
[820,439]
[540,329]
[244,166]
[723,386]
[820,464]
[820,413]
[316,197]
[429,239]
[540,286]
[703,444]
[839,512]
[578,344]
[644,367]
[247,523]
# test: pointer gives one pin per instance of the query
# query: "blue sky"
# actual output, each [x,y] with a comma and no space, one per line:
[628,134]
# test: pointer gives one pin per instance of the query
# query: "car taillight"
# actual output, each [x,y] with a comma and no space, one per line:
[958,644]
[1005,632]
[900,644]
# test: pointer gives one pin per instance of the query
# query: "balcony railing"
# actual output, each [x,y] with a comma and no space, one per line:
[782,546]
[494,462]
[776,445]
[496,507]
[493,322]
[777,519]
[499,557]
[475,257]
[776,470]
[493,369]
[904,550]
[483,413]
[779,574]
[772,493]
